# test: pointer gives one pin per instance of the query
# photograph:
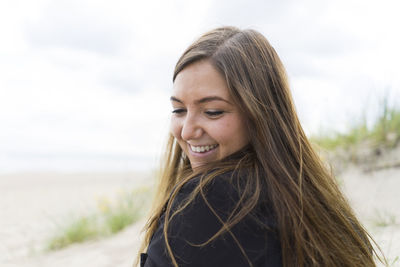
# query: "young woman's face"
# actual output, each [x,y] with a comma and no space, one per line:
[206,123]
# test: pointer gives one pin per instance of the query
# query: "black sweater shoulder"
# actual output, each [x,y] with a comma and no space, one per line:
[246,244]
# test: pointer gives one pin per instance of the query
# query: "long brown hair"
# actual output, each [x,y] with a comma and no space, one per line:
[316,225]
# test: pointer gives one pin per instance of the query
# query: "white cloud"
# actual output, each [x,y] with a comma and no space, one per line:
[79,25]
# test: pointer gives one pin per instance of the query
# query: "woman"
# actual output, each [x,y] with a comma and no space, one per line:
[241,185]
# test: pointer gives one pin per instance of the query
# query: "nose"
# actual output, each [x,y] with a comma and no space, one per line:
[191,128]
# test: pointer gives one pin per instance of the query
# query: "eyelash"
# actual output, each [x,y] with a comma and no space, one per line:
[215,113]
[178,111]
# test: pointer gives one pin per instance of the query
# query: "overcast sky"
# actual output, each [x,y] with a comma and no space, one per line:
[84,85]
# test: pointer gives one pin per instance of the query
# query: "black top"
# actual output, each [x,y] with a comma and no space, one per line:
[197,223]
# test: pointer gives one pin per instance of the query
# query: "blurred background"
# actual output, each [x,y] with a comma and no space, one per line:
[85,85]
[84,112]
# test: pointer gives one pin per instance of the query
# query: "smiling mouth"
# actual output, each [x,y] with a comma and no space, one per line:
[202,149]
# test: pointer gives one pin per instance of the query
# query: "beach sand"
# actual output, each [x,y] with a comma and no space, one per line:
[31,205]
[34,205]
[375,198]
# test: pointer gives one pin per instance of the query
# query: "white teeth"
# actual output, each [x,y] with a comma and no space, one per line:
[200,149]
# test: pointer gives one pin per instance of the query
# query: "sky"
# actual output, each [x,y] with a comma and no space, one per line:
[85,85]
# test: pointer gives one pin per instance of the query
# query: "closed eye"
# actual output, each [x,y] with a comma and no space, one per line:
[178,111]
[215,113]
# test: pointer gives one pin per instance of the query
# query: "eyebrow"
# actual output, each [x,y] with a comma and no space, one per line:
[202,100]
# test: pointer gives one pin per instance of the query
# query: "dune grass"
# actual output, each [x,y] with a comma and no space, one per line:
[79,230]
[384,219]
[394,262]
[109,218]
[384,132]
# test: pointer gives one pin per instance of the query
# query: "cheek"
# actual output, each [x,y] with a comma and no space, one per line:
[231,133]
[224,132]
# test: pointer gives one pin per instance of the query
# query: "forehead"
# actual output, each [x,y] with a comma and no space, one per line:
[200,79]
